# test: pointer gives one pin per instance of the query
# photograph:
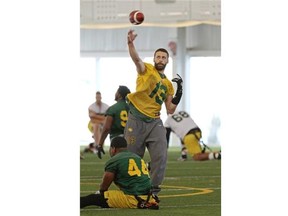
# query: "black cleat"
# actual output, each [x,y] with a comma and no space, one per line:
[156,198]
[217,155]
[153,206]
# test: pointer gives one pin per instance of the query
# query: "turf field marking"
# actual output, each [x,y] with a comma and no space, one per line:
[192,205]
[201,191]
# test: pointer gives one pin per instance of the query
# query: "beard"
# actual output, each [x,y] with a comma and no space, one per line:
[159,66]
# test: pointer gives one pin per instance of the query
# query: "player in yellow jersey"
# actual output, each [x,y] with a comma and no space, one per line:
[144,127]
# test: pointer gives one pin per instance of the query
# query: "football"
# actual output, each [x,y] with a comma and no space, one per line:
[136,17]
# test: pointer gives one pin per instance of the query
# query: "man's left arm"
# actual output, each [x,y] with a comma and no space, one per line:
[170,107]
[172,102]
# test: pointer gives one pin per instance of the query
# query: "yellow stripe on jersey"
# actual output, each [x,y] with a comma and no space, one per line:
[151,92]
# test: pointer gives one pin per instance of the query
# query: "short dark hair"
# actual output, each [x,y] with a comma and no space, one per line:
[118,142]
[123,91]
[161,50]
[98,92]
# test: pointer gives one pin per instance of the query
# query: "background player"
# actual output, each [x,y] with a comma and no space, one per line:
[116,118]
[96,112]
[190,134]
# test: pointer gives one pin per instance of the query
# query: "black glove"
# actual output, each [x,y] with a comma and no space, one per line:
[100,150]
[178,94]
[179,81]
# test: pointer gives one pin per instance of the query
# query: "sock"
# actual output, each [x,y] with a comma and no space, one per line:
[184,153]
[216,155]
[211,156]
[93,199]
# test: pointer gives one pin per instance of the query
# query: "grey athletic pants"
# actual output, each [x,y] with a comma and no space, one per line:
[139,135]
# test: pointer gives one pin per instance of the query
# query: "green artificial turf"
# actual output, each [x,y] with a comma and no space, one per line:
[189,188]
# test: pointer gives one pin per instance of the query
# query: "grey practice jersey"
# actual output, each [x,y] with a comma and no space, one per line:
[180,123]
[99,109]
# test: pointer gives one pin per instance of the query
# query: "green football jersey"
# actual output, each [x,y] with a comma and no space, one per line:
[131,173]
[119,113]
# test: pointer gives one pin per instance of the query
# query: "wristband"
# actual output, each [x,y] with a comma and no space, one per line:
[176,99]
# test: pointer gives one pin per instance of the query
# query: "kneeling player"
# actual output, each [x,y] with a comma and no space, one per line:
[190,134]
